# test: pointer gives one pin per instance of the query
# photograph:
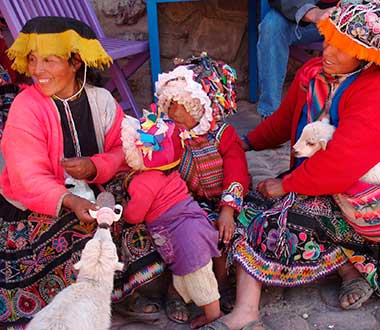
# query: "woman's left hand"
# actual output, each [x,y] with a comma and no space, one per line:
[271,188]
[80,168]
[226,224]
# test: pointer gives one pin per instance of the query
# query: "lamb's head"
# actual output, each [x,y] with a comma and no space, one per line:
[313,138]
[99,259]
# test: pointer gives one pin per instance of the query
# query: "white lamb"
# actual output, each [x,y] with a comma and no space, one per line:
[86,304]
[315,137]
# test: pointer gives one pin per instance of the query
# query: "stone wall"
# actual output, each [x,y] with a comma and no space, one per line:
[216,26]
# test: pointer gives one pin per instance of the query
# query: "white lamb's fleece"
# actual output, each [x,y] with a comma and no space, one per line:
[86,304]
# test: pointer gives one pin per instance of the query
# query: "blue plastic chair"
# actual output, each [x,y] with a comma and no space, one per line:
[17,12]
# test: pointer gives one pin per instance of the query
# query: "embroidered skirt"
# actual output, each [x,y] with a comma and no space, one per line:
[312,242]
[37,253]
[184,237]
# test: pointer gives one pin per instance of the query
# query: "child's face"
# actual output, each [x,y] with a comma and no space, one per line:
[181,117]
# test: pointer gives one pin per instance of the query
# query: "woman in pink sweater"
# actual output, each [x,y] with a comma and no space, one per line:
[59,128]
[183,235]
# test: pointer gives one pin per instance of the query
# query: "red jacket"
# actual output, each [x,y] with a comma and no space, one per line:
[354,149]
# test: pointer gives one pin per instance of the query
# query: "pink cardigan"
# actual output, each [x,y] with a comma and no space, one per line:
[32,145]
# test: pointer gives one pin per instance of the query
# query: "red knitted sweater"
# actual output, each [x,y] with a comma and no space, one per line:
[354,148]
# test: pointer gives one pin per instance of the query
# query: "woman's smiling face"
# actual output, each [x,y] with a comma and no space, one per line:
[54,75]
[336,61]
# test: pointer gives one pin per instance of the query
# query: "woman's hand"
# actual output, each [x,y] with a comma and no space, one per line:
[226,224]
[271,188]
[80,168]
[80,207]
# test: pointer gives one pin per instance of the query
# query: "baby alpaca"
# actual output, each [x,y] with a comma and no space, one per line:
[86,304]
[315,137]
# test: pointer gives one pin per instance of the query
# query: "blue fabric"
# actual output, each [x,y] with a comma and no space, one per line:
[334,116]
[276,34]
[301,124]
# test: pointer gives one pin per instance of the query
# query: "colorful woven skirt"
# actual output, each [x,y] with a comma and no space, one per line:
[37,253]
[289,243]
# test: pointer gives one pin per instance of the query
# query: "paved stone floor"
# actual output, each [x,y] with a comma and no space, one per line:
[312,307]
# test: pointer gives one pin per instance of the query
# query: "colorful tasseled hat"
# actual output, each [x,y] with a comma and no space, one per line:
[59,36]
[354,28]
[151,143]
[204,86]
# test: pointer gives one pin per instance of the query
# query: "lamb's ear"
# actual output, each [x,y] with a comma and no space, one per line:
[323,144]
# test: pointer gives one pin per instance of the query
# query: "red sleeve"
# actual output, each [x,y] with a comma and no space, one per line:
[354,148]
[25,149]
[142,196]
[277,129]
[235,167]
[112,159]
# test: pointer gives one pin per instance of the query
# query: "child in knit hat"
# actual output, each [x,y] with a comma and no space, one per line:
[198,95]
[184,237]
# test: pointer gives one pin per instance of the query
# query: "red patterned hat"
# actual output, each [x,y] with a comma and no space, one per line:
[354,28]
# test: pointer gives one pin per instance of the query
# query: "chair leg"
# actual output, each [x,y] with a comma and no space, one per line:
[135,63]
[154,40]
[130,68]
[123,88]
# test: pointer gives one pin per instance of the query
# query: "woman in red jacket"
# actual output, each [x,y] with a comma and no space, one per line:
[293,232]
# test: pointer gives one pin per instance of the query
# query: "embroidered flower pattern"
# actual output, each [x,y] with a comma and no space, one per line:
[359,20]
[358,30]
[373,22]
[312,251]
[60,244]
[272,239]
[368,268]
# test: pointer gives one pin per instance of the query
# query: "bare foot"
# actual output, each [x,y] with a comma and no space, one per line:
[175,307]
[239,317]
[200,321]
[354,290]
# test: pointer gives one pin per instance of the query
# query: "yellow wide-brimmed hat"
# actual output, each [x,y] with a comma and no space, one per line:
[59,36]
